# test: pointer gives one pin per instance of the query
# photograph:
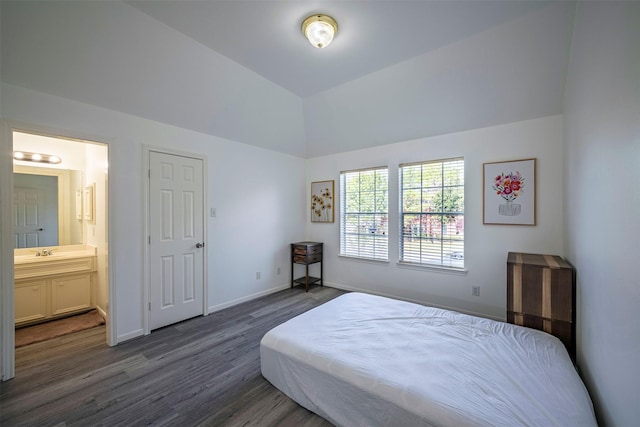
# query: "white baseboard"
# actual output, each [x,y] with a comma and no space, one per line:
[130,335]
[218,307]
[212,309]
[102,313]
[228,304]
[444,307]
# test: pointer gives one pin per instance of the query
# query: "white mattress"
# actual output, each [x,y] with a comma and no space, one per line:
[364,360]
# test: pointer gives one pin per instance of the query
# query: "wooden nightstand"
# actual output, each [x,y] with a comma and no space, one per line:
[541,294]
[306,253]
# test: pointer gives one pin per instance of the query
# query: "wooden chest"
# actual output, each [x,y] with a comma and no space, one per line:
[541,295]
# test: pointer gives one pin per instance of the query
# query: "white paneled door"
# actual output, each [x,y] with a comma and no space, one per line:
[35,211]
[28,205]
[176,238]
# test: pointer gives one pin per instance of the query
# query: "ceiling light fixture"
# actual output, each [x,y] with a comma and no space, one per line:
[36,157]
[319,30]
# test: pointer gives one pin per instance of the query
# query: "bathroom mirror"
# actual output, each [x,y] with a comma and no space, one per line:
[45,211]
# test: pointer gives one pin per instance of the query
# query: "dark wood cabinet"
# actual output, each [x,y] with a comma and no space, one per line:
[541,293]
[306,253]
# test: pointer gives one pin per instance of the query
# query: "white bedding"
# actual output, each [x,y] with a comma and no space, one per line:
[364,360]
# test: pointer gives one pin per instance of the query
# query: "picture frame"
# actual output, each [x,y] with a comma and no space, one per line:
[322,201]
[509,192]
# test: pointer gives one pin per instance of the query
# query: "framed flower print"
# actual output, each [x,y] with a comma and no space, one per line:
[509,192]
[322,201]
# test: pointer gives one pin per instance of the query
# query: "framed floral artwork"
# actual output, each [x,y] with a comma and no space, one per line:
[322,201]
[509,192]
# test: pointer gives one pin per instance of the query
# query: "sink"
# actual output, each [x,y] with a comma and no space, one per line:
[58,251]
[33,258]
[65,259]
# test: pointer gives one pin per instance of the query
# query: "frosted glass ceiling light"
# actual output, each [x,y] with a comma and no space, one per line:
[319,30]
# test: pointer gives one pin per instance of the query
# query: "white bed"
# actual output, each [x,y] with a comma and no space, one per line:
[364,360]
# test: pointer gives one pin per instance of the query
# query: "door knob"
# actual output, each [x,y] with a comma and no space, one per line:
[200,245]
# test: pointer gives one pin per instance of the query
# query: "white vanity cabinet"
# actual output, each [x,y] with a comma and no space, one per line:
[53,286]
[70,293]
[31,301]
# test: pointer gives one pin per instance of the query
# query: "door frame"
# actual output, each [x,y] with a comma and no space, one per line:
[146,300]
[7,315]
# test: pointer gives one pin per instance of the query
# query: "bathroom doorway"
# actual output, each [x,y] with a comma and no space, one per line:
[67,277]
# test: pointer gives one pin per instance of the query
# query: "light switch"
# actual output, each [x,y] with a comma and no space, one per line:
[212,212]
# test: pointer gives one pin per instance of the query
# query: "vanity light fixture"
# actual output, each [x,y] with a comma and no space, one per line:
[36,157]
[319,30]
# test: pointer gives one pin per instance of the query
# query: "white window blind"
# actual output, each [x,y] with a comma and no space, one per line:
[432,213]
[364,201]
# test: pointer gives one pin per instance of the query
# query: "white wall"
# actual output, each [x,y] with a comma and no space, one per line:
[486,246]
[95,232]
[505,74]
[245,184]
[112,55]
[70,152]
[602,208]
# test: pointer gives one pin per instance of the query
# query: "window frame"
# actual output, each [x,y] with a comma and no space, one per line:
[347,251]
[443,262]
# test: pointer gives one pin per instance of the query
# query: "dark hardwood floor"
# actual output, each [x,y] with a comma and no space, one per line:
[201,372]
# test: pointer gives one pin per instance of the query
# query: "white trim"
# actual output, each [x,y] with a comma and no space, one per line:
[432,267]
[112,315]
[444,307]
[101,312]
[228,304]
[363,259]
[146,274]
[130,335]
[7,317]
[146,294]
[64,211]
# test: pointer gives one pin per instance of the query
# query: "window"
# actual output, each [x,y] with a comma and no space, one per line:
[364,202]
[432,213]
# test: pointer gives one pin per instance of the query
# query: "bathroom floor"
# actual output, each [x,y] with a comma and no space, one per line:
[55,328]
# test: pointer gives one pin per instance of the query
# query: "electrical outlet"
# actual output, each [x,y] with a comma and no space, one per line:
[257,275]
[475,291]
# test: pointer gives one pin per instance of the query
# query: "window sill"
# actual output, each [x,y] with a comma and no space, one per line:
[363,259]
[435,268]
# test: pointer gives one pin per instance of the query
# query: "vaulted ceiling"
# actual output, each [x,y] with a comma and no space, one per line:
[265,36]
[241,70]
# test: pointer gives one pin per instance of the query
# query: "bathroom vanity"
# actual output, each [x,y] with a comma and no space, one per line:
[54,285]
